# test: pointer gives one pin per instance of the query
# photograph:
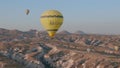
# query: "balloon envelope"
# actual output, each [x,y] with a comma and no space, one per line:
[27,11]
[51,21]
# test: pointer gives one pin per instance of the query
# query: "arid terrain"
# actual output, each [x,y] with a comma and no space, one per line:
[34,49]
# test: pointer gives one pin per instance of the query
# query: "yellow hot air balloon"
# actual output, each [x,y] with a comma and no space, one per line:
[51,21]
[27,11]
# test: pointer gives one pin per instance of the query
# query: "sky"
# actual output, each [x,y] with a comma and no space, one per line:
[90,16]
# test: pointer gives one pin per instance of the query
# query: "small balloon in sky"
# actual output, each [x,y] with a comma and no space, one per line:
[51,21]
[27,11]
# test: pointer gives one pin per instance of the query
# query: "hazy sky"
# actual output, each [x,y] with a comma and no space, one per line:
[91,16]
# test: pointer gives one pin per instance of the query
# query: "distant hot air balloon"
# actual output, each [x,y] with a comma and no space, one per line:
[27,11]
[116,48]
[51,21]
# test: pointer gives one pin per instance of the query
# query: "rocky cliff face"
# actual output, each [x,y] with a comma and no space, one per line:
[23,56]
[46,55]
[64,51]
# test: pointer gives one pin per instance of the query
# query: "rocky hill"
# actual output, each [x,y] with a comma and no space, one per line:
[37,50]
[79,32]
[64,32]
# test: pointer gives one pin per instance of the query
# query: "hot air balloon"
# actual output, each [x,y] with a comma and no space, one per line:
[116,48]
[27,11]
[51,21]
